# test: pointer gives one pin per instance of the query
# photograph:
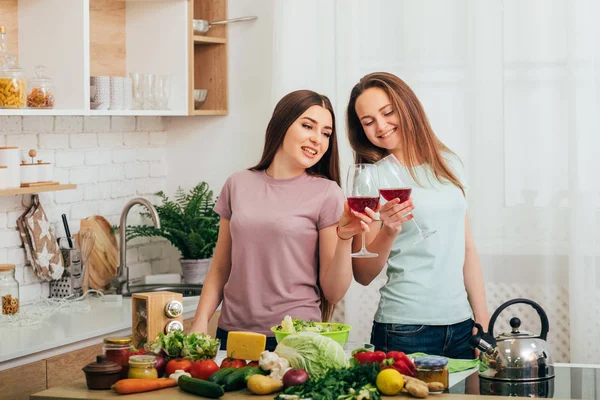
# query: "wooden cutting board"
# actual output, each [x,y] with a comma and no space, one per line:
[104,257]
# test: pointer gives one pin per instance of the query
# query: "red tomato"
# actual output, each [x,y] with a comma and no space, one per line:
[174,365]
[203,369]
[232,363]
[253,364]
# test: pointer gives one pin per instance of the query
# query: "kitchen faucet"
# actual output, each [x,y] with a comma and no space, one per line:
[120,283]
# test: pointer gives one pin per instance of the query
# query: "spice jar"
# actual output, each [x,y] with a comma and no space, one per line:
[41,90]
[9,289]
[433,369]
[118,350]
[12,85]
[142,367]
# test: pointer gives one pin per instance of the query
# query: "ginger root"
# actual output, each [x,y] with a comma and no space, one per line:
[415,387]
[435,386]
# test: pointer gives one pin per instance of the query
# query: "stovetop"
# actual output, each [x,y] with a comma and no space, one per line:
[570,382]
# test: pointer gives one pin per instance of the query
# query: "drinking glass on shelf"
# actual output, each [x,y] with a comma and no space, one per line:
[149,91]
[362,190]
[163,91]
[137,79]
[393,183]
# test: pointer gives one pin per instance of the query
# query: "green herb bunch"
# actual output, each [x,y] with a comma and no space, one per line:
[188,222]
[354,383]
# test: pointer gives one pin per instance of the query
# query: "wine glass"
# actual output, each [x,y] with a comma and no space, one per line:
[393,183]
[362,190]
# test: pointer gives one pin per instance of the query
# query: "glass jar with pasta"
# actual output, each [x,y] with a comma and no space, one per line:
[13,93]
[41,90]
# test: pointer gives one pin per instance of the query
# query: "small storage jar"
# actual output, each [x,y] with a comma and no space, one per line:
[142,366]
[41,90]
[433,369]
[13,91]
[118,349]
[102,374]
[9,289]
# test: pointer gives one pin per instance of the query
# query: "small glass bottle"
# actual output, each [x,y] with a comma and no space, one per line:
[9,289]
[3,47]
[433,369]
[118,350]
[142,367]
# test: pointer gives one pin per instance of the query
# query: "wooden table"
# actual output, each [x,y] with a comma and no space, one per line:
[79,390]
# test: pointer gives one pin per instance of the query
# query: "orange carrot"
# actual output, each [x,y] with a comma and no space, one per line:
[127,386]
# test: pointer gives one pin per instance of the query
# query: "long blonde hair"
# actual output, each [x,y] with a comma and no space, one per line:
[418,142]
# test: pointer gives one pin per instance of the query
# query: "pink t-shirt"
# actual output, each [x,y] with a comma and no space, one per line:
[274,227]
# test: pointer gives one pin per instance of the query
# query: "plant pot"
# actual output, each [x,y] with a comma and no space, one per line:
[194,271]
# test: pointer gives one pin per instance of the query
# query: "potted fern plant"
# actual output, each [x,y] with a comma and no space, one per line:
[189,223]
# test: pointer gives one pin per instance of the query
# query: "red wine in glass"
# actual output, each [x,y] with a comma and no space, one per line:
[362,191]
[359,203]
[401,193]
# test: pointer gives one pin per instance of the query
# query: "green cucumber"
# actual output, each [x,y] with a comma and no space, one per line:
[200,387]
[255,371]
[237,379]
[219,376]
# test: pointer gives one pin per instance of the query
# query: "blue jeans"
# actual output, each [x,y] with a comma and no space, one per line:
[222,336]
[450,341]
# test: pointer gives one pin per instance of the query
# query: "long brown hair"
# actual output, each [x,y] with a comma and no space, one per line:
[418,142]
[288,110]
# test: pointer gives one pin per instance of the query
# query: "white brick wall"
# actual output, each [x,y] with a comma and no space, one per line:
[111,159]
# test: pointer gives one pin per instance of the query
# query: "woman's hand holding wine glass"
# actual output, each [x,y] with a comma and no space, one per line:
[393,214]
[352,223]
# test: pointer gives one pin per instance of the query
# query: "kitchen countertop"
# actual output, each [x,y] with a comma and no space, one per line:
[65,332]
[78,390]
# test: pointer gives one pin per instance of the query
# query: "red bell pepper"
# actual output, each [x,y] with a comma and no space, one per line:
[380,356]
[400,362]
[363,356]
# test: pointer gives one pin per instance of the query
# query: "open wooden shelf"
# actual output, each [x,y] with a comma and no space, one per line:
[37,189]
[208,40]
[210,112]
[208,58]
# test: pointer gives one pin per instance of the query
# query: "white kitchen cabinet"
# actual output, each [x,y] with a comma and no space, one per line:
[76,39]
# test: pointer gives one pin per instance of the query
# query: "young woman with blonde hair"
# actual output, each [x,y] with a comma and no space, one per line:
[435,288]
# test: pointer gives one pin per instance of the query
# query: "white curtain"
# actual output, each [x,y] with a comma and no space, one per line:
[513,87]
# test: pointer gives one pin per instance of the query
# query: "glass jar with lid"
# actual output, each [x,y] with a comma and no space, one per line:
[41,90]
[142,366]
[9,289]
[118,349]
[433,369]
[13,93]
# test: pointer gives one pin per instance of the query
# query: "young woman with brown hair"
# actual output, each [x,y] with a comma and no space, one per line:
[279,250]
[435,287]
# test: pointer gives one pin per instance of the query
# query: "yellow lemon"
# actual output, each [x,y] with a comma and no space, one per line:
[390,382]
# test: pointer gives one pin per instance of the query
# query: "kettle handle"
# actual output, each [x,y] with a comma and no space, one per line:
[536,306]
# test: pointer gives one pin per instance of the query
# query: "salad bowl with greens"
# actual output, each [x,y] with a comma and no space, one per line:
[177,344]
[336,331]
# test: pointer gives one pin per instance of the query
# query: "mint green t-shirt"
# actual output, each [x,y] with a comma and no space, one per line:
[425,283]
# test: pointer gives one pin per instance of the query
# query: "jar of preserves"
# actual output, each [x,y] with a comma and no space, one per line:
[9,289]
[13,92]
[41,90]
[142,367]
[433,369]
[118,350]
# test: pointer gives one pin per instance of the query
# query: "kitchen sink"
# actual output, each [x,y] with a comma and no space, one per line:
[188,290]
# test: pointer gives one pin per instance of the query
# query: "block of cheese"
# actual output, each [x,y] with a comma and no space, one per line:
[245,345]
